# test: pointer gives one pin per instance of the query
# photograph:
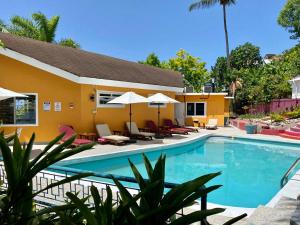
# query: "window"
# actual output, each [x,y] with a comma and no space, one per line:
[19,111]
[196,109]
[103,97]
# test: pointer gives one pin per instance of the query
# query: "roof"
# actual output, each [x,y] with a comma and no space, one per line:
[91,65]
[204,93]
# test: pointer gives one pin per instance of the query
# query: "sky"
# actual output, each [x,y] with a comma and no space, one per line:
[131,29]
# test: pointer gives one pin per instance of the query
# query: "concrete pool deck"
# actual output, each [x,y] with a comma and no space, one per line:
[143,145]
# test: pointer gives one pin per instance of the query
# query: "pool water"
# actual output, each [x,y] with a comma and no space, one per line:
[251,169]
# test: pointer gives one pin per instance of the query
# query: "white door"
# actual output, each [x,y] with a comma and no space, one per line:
[180,113]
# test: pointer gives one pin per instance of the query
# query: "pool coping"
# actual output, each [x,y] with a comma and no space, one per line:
[289,190]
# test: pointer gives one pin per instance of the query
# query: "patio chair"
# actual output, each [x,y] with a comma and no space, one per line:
[69,132]
[168,124]
[135,132]
[154,129]
[212,124]
[105,133]
[17,132]
[181,125]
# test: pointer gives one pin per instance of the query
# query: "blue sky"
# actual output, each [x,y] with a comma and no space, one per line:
[131,29]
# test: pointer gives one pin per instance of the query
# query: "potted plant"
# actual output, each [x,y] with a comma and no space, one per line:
[250,127]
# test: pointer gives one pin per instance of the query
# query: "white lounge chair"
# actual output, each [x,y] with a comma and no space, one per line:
[212,124]
[104,132]
[137,133]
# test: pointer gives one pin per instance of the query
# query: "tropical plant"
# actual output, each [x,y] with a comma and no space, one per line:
[154,205]
[39,27]
[224,3]
[289,18]
[17,198]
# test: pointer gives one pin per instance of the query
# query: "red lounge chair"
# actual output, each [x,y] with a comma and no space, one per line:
[169,123]
[69,132]
[175,130]
[154,129]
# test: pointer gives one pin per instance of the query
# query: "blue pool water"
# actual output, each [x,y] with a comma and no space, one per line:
[251,169]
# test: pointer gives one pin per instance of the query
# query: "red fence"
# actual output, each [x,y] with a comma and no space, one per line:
[277,106]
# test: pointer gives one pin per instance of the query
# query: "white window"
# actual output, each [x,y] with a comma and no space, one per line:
[196,109]
[19,111]
[103,97]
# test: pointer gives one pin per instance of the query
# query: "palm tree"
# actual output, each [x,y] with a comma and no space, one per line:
[39,28]
[224,3]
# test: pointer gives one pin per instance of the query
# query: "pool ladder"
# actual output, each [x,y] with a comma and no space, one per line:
[285,178]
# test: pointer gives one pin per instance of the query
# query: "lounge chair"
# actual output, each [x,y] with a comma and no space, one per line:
[17,132]
[168,124]
[181,125]
[135,132]
[104,132]
[69,132]
[154,129]
[212,124]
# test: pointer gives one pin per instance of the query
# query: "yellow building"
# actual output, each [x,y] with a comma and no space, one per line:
[71,86]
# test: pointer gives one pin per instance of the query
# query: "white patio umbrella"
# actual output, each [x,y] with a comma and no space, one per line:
[129,98]
[160,99]
[5,94]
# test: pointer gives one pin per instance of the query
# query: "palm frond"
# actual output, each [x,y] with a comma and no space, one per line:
[203,4]
[42,23]
[52,27]
[23,27]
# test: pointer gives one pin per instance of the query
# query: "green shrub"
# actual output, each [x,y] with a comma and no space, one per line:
[252,116]
[277,117]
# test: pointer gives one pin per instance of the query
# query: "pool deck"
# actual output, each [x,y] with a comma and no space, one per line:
[156,143]
[291,189]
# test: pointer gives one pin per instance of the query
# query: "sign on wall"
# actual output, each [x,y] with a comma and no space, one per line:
[47,106]
[57,106]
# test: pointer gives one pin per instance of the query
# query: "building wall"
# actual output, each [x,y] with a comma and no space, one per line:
[83,115]
[215,105]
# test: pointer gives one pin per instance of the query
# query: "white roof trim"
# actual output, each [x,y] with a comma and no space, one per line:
[196,94]
[82,80]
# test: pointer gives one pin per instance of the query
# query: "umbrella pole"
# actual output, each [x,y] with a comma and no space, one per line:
[158,119]
[130,120]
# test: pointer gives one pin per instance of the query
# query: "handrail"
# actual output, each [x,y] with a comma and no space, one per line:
[285,177]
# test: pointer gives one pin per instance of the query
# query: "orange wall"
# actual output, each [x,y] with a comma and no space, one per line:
[215,105]
[227,107]
[23,78]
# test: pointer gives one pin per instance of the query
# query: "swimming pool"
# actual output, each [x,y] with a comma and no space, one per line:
[251,169]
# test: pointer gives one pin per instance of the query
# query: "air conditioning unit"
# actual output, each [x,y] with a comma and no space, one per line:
[207,89]
[188,89]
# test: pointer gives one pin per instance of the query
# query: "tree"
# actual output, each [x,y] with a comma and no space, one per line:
[219,72]
[39,28]
[192,68]
[224,3]
[68,42]
[245,56]
[289,18]
[152,59]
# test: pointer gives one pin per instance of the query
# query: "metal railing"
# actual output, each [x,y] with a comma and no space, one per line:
[285,177]
[81,187]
